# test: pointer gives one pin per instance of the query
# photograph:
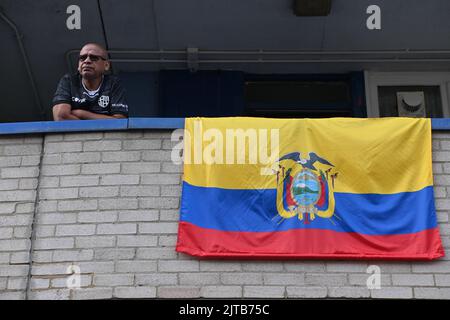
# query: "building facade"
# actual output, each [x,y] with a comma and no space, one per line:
[92,213]
[100,210]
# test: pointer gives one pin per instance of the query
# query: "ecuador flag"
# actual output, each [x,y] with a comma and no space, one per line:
[337,188]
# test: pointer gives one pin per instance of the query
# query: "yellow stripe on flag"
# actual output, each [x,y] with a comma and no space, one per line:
[384,155]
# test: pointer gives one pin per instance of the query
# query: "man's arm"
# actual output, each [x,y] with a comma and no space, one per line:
[87,115]
[63,111]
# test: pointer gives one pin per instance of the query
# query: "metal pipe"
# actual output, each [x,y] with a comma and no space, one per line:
[325,61]
[306,52]
[268,52]
[266,55]
[281,61]
[19,37]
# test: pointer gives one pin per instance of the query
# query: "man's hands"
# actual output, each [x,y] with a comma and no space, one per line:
[64,111]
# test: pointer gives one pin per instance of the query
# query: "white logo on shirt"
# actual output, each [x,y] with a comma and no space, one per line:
[120,105]
[78,100]
[103,101]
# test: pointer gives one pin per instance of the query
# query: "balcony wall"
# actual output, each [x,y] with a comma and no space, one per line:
[107,203]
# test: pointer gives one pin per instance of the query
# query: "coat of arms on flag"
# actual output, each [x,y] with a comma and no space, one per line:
[303,190]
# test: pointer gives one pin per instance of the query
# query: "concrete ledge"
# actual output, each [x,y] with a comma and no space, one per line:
[126,124]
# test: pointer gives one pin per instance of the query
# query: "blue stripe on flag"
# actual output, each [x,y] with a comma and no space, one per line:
[255,211]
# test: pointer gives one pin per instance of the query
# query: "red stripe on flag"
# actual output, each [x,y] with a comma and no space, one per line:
[308,244]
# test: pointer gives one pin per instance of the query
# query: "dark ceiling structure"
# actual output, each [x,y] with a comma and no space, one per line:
[254,36]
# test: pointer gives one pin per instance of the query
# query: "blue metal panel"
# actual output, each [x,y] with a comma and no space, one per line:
[358,92]
[203,93]
[156,123]
[63,126]
[141,93]
[124,124]
[438,124]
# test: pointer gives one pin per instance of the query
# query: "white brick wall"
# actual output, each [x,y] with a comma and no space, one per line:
[108,202]
[19,171]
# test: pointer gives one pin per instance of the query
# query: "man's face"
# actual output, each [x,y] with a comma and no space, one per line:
[92,62]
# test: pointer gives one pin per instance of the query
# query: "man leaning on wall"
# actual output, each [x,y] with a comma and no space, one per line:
[90,94]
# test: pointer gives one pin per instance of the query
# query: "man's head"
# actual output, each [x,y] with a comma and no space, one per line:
[93,61]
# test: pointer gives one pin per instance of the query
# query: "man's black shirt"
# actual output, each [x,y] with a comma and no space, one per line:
[108,100]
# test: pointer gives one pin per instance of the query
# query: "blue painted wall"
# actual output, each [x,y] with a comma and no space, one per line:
[141,93]
[203,93]
[181,93]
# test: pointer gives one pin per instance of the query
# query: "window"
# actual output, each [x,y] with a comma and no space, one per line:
[382,88]
[305,96]
[314,99]
[387,99]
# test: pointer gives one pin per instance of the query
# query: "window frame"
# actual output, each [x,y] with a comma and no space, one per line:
[355,81]
[374,79]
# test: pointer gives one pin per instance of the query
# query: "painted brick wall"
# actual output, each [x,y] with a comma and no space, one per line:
[20,158]
[108,204]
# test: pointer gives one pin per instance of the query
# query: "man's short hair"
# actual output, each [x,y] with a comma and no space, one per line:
[98,45]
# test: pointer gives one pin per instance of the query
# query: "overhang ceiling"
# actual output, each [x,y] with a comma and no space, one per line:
[228,34]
